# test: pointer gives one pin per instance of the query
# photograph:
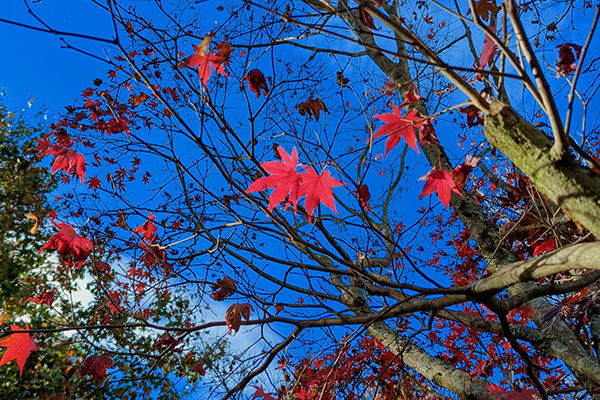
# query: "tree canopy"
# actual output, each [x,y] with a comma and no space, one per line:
[391,199]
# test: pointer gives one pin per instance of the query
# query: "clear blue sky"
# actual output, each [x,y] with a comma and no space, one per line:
[33,64]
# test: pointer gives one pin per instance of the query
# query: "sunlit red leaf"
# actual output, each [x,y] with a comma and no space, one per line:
[317,189]
[396,127]
[439,181]
[234,314]
[284,178]
[489,48]
[148,229]
[71,247]
[19,346]
[96,366]
[67,160]
[461,173]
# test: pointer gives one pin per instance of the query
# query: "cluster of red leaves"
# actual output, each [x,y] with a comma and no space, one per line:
[234,314]
[19,346]
[96,366]
[287,181]
[368,364]
[71,247]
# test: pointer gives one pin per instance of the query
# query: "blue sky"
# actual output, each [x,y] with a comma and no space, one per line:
[33,64]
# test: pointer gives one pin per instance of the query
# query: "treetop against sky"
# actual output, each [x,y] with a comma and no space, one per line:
[401,197]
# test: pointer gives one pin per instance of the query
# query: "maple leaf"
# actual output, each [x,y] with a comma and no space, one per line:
[412,96]
[397,127]
[364,196]
[461,173]
[67,160]
[566,59]
[234,314]
[474,115]
[312,106]
[317,189]
[224,53]
[545,246]
[223,289]
[284,178]
[96,366]
[148,229]
[489,48]
[261,393]
[46,297]
[365,17]
[19,346]
[439,181]
[257,82]
[484,8]
[94,183]
[205,61]
[71,247]
[199,369]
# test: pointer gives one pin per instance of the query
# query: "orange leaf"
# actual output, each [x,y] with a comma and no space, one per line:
[34,229]
[312,106]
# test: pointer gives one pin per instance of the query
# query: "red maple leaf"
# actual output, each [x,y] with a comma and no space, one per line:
[19,346]
[234,314]
[440,182]
[72,248]
[317,189]
[397,127]
[148,229]
[545,246]
[284,178]
[461,173]
[205,61]
[364,196]
[257,82]
[67,160]
[94,183]
[96,366]
[489,47]
[46,297]
[261,393]
[566,58]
